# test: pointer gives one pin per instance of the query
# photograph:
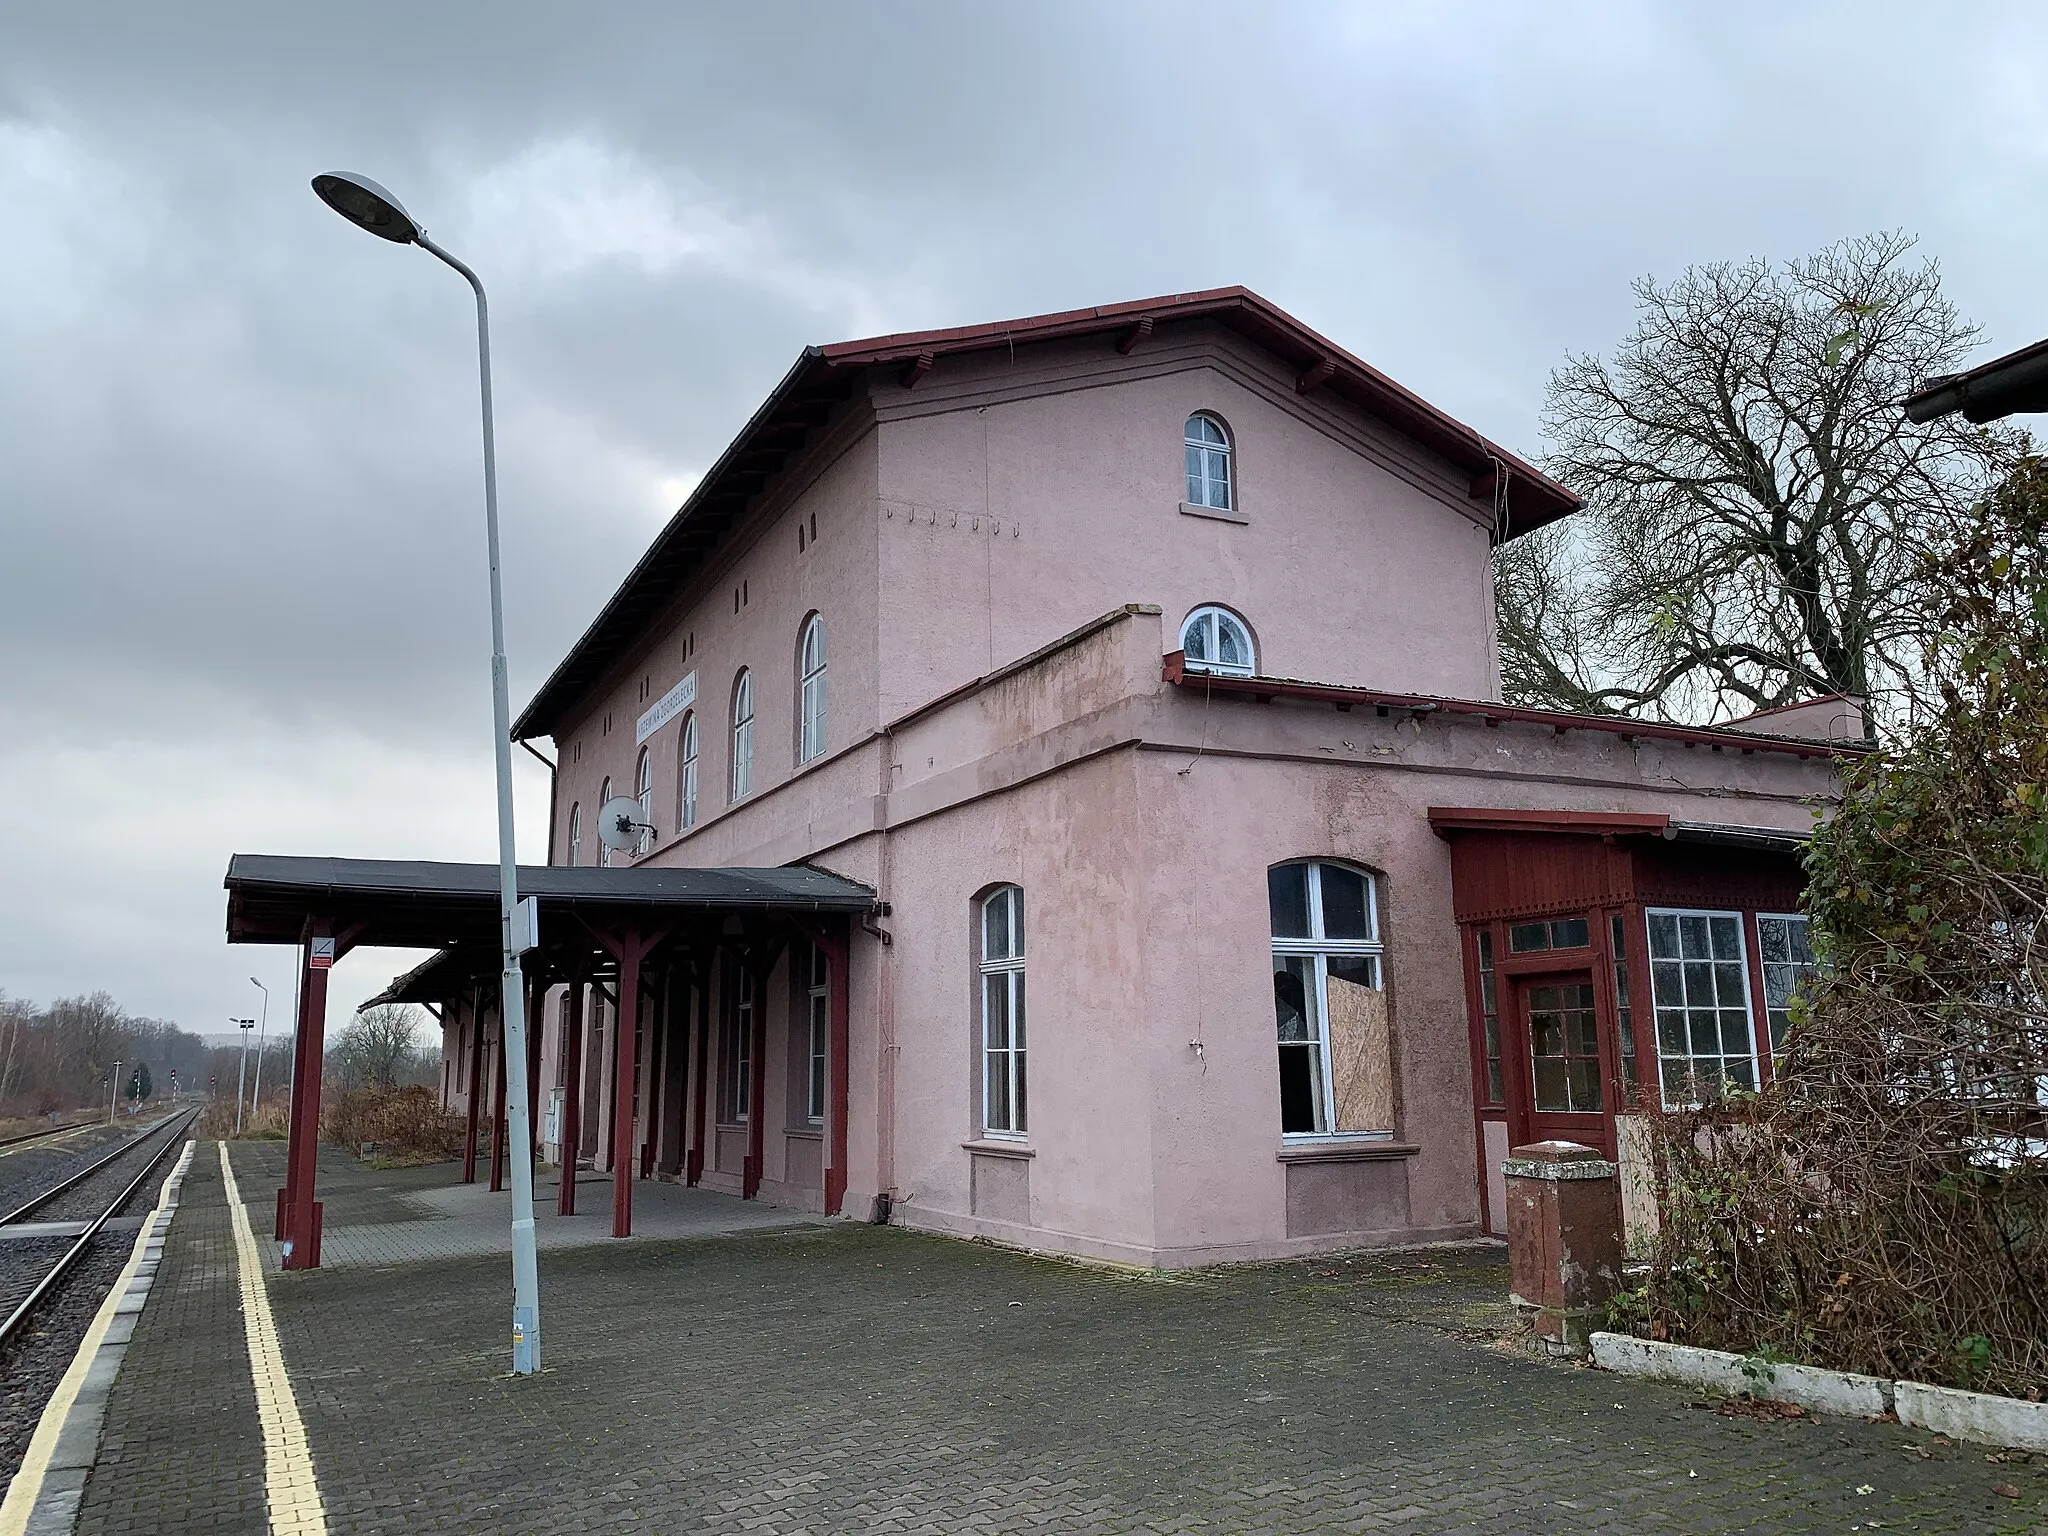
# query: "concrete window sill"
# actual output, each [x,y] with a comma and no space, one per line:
[804,1132]
[1015,1149]
[1219,514]
[1345,1151]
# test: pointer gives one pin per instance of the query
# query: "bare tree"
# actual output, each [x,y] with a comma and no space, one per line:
[1757,503]
[379,1047]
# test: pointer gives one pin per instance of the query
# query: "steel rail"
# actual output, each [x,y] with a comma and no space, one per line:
[54,1130]
[71,1255]
[37,1202]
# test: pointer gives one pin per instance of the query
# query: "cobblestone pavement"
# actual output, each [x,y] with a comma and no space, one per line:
[829,1379]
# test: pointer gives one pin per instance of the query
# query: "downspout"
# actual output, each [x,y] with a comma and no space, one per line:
[885,1008]
[554,787]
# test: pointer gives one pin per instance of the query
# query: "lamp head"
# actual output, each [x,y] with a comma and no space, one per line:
[365,204]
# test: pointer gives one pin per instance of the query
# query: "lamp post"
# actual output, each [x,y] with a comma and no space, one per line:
[365,204]
[262,1029]
[114,1097]
[242,1071]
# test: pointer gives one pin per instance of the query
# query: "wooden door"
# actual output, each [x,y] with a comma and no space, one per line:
[1562,1054]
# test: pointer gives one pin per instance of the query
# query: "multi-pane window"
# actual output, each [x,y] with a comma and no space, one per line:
[604,798]
[576,833]
[1335,1054]
[686,775]
[1215,640]
[1788,961]
[1557,933]
[818,999]
[743,735]
[736,1048]
[1208,455]
[1624,1015]
[1003,1099]
[811,692]
[1489,1020]
[1564,1047]
[643,791]
[1699,983]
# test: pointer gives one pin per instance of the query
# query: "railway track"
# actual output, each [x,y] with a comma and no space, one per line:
[32,1267]
[48,1133]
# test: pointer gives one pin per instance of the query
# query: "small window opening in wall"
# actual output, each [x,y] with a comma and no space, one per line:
[735,599]
[1215,640]
[814,527]
[607,722]
[744,599]
[1561,933]
[799,538]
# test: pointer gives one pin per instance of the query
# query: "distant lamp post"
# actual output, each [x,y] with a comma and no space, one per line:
[114,1097]
[242,1072]
[367,205]
[262,1029]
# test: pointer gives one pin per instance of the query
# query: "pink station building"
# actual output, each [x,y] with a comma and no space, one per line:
[1136,666]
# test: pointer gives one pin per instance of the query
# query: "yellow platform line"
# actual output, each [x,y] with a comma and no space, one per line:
[27,1485]
[288,1480]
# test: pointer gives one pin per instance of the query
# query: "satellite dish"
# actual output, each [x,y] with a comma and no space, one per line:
[619,825]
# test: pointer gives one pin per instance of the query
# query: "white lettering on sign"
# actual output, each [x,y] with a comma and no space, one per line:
[665,709]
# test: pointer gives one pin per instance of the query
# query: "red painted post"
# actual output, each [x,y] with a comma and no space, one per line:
[302,1237]
[476,1088]
[572,1097]
[694,1164]
[838,993]
[1564,1241]
[657,1063]
[536,1022]
[292,1123]
[498,1105]
[624,1080]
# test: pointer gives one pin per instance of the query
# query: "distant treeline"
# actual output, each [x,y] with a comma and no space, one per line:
[60,1056]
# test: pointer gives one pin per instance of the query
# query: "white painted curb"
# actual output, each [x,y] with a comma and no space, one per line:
[1805,1386]
[1975,1416]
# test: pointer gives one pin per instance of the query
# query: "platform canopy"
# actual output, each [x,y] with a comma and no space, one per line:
[414,904]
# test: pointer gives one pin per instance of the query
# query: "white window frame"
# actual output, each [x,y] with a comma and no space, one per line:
[743,735]
[737,1066]
[1011,969]
[1322,949]
[810,736]
[1200,485]
[1651,960]
[1211,615]
[1764,965]
[604,796]
[575,832]
[643,775]
[818,998]
[686,774]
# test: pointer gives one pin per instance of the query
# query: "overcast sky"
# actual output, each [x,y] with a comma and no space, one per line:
[242,603]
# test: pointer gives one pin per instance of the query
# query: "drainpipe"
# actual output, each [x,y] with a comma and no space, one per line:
[885,1002]
[554,785]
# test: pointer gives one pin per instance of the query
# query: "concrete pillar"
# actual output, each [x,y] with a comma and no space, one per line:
[1564,1241]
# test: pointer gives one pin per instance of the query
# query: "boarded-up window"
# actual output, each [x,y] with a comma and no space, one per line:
[1329,1002]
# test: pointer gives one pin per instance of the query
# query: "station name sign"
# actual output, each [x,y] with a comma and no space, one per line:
[665,709]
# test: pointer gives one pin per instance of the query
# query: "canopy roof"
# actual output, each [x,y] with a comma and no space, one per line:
[416,904]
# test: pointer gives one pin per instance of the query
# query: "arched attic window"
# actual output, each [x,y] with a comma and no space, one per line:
[643,791]
[1208,463]
[742,734]
[810,741]
[1214,639]
[686,775]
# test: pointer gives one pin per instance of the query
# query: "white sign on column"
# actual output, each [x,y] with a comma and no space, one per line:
[665,709]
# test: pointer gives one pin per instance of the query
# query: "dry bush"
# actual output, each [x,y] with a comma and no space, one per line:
[217,1122]
[1883,1206]
[403,1125]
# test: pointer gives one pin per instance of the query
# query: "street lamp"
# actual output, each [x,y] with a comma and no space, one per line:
[262,1028]
[242,1072]
[114,1097]
[365,204]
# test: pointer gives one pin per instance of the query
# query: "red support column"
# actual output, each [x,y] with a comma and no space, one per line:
[536,1022]
[657,1063]
[476,1088]
[498,1104]
[757,1092]
[299,1212]
[572,1097]
[838,995]
[624,1081]
[694,1163]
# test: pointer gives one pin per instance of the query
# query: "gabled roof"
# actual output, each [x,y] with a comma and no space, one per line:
[822,377]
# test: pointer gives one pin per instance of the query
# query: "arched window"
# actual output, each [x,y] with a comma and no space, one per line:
[576,833]
[810,741]
[1002,1012]
[1208,452]
[686,775]
[644,792]
[604,798]
[1336,1057]
[1215,640]
[742,735]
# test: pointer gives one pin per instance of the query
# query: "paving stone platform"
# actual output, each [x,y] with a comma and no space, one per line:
[833,1378]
